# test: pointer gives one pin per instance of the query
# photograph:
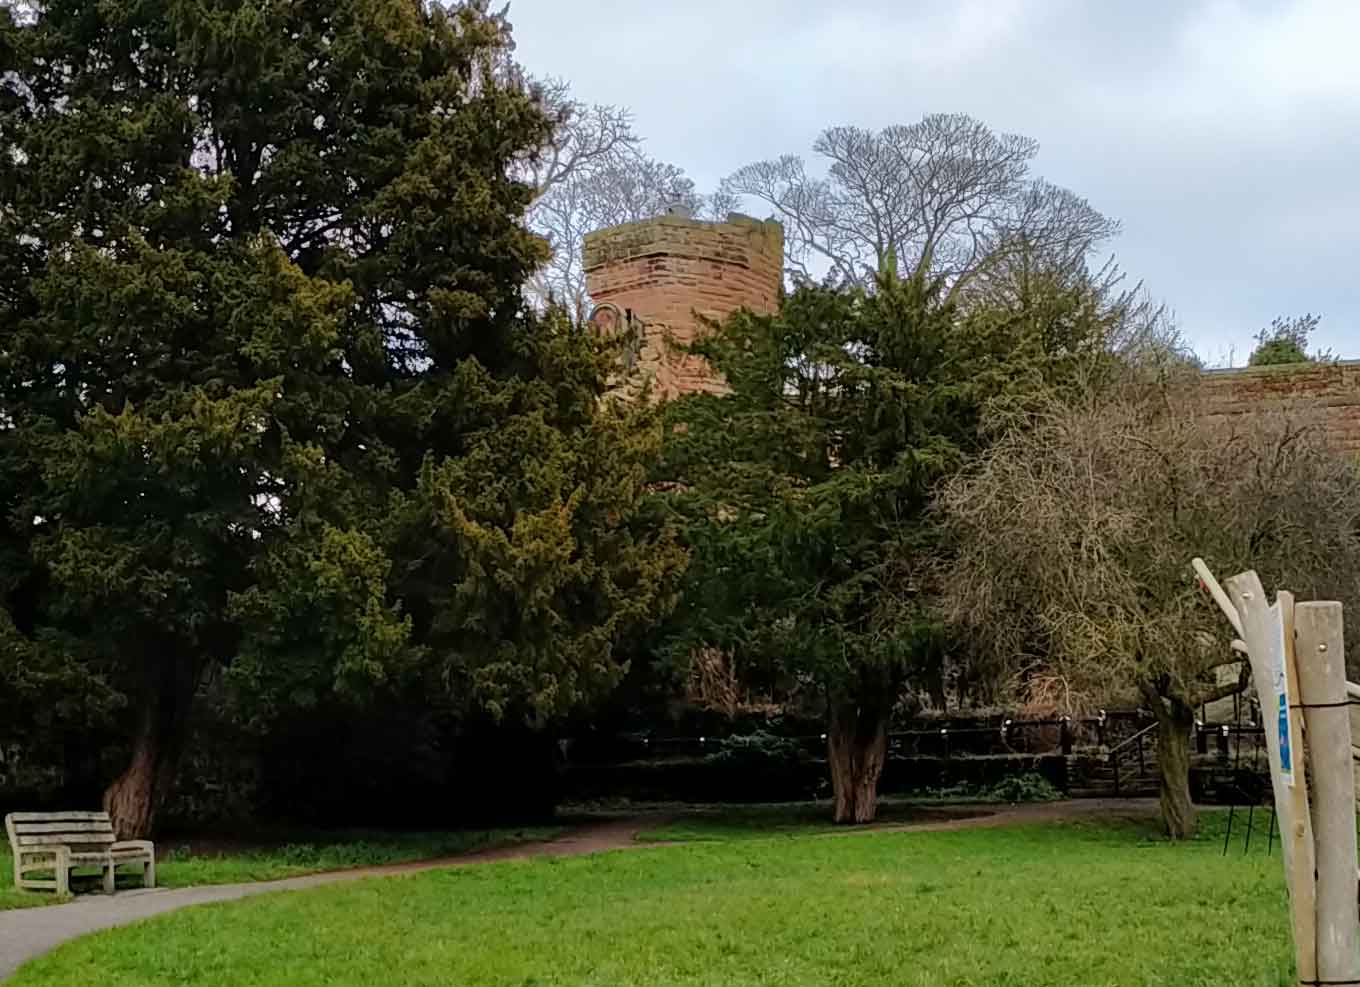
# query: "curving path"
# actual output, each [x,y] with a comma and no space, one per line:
[30,932]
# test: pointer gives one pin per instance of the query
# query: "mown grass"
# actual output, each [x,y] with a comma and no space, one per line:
[11,897]
[182,866]
[703,823]
[1062,904]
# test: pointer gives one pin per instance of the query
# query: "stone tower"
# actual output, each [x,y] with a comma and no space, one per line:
[657,276]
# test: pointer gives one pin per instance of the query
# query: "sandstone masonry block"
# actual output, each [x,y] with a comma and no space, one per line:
[1331,391]
[671,270]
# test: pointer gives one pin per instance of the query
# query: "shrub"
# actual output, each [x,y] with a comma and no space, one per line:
[1028,787]
[756,750]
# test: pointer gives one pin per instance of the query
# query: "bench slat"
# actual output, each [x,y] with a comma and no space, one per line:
[81,856]
[30,828]
[66,839]
[19,817]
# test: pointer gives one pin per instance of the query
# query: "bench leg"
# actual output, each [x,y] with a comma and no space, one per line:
[149,872]
[63,876]
[108,878]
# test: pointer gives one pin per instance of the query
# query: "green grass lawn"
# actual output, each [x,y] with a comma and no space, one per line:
[691,823]
[12,898]
[1064,904]
[182,865]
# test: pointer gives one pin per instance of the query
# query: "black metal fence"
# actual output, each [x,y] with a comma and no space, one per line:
[936,737]
[1112,753]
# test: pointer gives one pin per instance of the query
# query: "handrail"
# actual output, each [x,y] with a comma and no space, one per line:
[1114,754]
[1130,740]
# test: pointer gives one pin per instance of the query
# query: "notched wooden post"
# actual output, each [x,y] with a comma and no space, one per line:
[1321,660]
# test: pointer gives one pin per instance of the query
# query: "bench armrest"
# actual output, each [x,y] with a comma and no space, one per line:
[59,852]
[146,845]
[44,849]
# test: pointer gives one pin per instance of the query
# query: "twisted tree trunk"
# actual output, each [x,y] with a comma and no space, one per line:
[1173,756]
[1175,718]
[136,796]
[857,745]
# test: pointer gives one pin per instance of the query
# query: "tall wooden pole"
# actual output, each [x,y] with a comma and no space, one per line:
[1321,659]
[1269,635]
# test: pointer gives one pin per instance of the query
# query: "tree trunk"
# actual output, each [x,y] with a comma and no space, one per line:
[1174,721]
[136,796]
[857,744]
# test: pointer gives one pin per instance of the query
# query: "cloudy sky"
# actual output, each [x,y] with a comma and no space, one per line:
[1223,134]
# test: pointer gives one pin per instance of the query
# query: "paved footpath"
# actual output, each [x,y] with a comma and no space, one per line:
[29,932]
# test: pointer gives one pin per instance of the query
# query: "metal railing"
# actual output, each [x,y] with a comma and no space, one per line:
[945,738]
[1137,744]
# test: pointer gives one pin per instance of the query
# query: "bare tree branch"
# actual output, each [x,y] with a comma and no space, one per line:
[1075,530]
[1223,691]
[623,187]
[949,197]
[585,136]
[592,173]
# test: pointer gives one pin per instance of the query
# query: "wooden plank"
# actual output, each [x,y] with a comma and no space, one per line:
[1321,656]
[64,839]
[1248,597]
[31,828]
[19,817]
[35,865]
[123,856]
[1207,580]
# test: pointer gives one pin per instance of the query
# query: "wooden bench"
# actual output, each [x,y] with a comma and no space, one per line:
[63,841]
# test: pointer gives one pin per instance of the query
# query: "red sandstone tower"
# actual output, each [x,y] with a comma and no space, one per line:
[667,271]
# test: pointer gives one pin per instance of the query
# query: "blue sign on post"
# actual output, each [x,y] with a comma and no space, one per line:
[1277,648]
[1286,755]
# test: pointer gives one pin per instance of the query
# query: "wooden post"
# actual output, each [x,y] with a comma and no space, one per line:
[1225,602]
[1264,646]
[1353,694]
[1321,659]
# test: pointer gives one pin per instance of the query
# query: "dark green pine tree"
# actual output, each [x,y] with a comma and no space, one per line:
[806,492]
[269,397]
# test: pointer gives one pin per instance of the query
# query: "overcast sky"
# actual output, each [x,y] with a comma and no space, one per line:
[1223,134]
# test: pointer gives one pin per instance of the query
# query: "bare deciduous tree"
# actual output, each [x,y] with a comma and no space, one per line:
[624,186]
[1074,535]
[949,196]
[587,135]
[593,173]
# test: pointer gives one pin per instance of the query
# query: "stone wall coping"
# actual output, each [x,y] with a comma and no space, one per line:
[1279,369]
